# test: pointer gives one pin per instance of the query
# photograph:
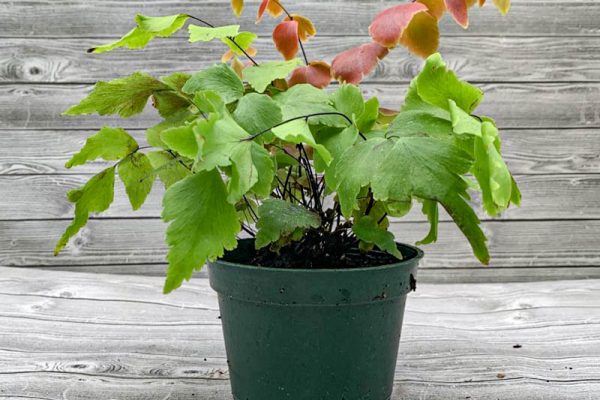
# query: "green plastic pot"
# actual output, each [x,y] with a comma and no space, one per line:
[312,334]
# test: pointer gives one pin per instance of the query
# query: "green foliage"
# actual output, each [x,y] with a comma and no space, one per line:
[239,147]
[94,197]
[220,79]
[124,96]
[279,219]
[201,225]
[108,144]
[206,34]
[260,76]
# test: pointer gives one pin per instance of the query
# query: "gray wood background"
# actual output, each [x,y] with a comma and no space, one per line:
[539,67]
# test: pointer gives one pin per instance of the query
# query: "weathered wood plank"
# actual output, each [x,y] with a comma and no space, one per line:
[481,59]
[527,152]
[79,336]
[81,18]
[555,243]
[544,197]
[513,105]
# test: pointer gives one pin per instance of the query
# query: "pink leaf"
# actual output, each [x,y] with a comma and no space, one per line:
[458,10]
[387,27]
[352,65]
[317,73]
[285,36]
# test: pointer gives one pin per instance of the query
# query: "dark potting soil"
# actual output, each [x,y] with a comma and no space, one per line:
[318,251]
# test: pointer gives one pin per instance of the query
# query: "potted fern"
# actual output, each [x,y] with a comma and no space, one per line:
[286,188]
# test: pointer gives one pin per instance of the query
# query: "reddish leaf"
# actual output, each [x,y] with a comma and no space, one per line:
[422,36]
[237,6]
[306,28]
[436,7]
[285,36]
[229,54]
[387,27]
[352,65]
[317,73]
[271,6]
[458,10]
[238,67]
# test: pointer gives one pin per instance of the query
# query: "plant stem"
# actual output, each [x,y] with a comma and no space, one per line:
[252,137]
[230,38]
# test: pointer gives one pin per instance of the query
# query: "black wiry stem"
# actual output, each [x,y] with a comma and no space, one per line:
[230,38]
[252,137]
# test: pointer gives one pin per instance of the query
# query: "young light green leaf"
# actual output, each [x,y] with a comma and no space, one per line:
[368,118]
[436,85]
[430,209]
[206,34]
[278,218]
[180,118]
[368,230]
[398,169]
[257,112]
[161,26]
[462,122]
[169,169]
[243,40]
[134,39]
[182,140]
[492,174]
[261,76]
[265,168]
[148,28]
[124,96]
[348,100]
[108,144]
[202,225]
[95,196]
[220,79]
[305,99]
[137,175]
[297,132]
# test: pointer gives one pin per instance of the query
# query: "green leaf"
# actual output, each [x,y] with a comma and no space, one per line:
[348,100]
[169,103]
[257,112]
[243,39]
[368,118]
[305,99]
[202,225]
[95,196]
[134,39]
[137,175]
[108,144]
[206,34]
[180,118]
[368,230]
[415,122]
[297,132]
[161,26]
[124,96]
[430,209]
[492,174]
[462,122]
[220,79]
[278,218]
[436,85]
[168,168]
[182,140]
[265,168]
[148,28]
[401,168]
[261,76]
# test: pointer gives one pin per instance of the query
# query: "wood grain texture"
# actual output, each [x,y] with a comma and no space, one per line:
[513,105]
[544,197]
[85,18]
[73,336]
[528,152]
[478,59]
[552,243]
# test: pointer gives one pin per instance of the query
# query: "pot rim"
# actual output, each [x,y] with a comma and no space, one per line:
[419,254]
